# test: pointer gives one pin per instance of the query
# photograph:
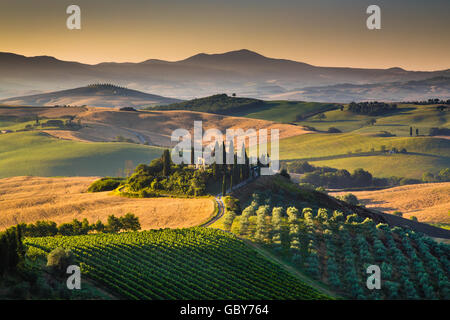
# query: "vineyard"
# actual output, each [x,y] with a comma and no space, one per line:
[193,263]
[337,249]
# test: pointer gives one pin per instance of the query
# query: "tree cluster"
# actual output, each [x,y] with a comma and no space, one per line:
[372,108]
[12,250]
[128,222]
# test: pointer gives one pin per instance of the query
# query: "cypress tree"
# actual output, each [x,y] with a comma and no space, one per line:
[3,254]
[224,155]
[224,184]
[246,166]
[231,178]
[214,170]
[166,163]
[19,244]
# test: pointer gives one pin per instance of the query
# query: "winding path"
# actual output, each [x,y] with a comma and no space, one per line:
[220,212]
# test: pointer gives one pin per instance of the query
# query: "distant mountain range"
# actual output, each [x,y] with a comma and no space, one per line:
[99,95]
[243,72]
[416,90]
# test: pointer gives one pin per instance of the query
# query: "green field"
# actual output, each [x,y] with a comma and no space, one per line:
[422,117]
[343,151]
[399,165]
[21,125]
[38,154]
[281,111]
[286,111]
[195,263]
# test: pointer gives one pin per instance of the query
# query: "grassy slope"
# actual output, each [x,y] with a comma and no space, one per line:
[322,145]
[281,111]
[285,111]
[406,166]
[398,123]
[424,153]
[429,202]
[33,153]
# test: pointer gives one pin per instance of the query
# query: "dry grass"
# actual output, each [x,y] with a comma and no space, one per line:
[29,199]
[157,126]
[428,202]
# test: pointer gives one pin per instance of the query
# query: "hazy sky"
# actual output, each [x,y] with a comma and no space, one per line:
[415,34]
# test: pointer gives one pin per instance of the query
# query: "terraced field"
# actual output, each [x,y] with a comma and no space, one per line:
[195,263]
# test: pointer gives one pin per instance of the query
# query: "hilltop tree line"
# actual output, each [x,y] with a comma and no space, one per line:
[105,85]
[128,222]
[219,103]
[162,176]
[439,132]
[374,108]
[340,178]
[429,101]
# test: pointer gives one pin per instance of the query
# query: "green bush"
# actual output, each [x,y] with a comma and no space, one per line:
[59,259]
[104,184]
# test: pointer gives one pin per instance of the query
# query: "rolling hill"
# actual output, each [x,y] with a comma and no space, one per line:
[245,72]
[428,202]
[351,151]
[39,154]
[145,127]
[438,87]
[91,149]
[281,111]
[101,95]
[398,122]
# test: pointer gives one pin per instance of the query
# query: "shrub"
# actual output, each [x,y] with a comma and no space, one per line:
[59,259]
[398,214]
[334,130]
[130,222]
[285,174]
[104,184]
[350,198]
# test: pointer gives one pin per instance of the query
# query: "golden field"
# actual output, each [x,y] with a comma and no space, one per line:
[29,199]
[153,127]
[429,202]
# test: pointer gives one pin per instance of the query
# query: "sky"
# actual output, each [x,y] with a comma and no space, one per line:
[414,35]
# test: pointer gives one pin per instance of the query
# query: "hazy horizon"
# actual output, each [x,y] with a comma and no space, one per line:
[414,34]
[208,53]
